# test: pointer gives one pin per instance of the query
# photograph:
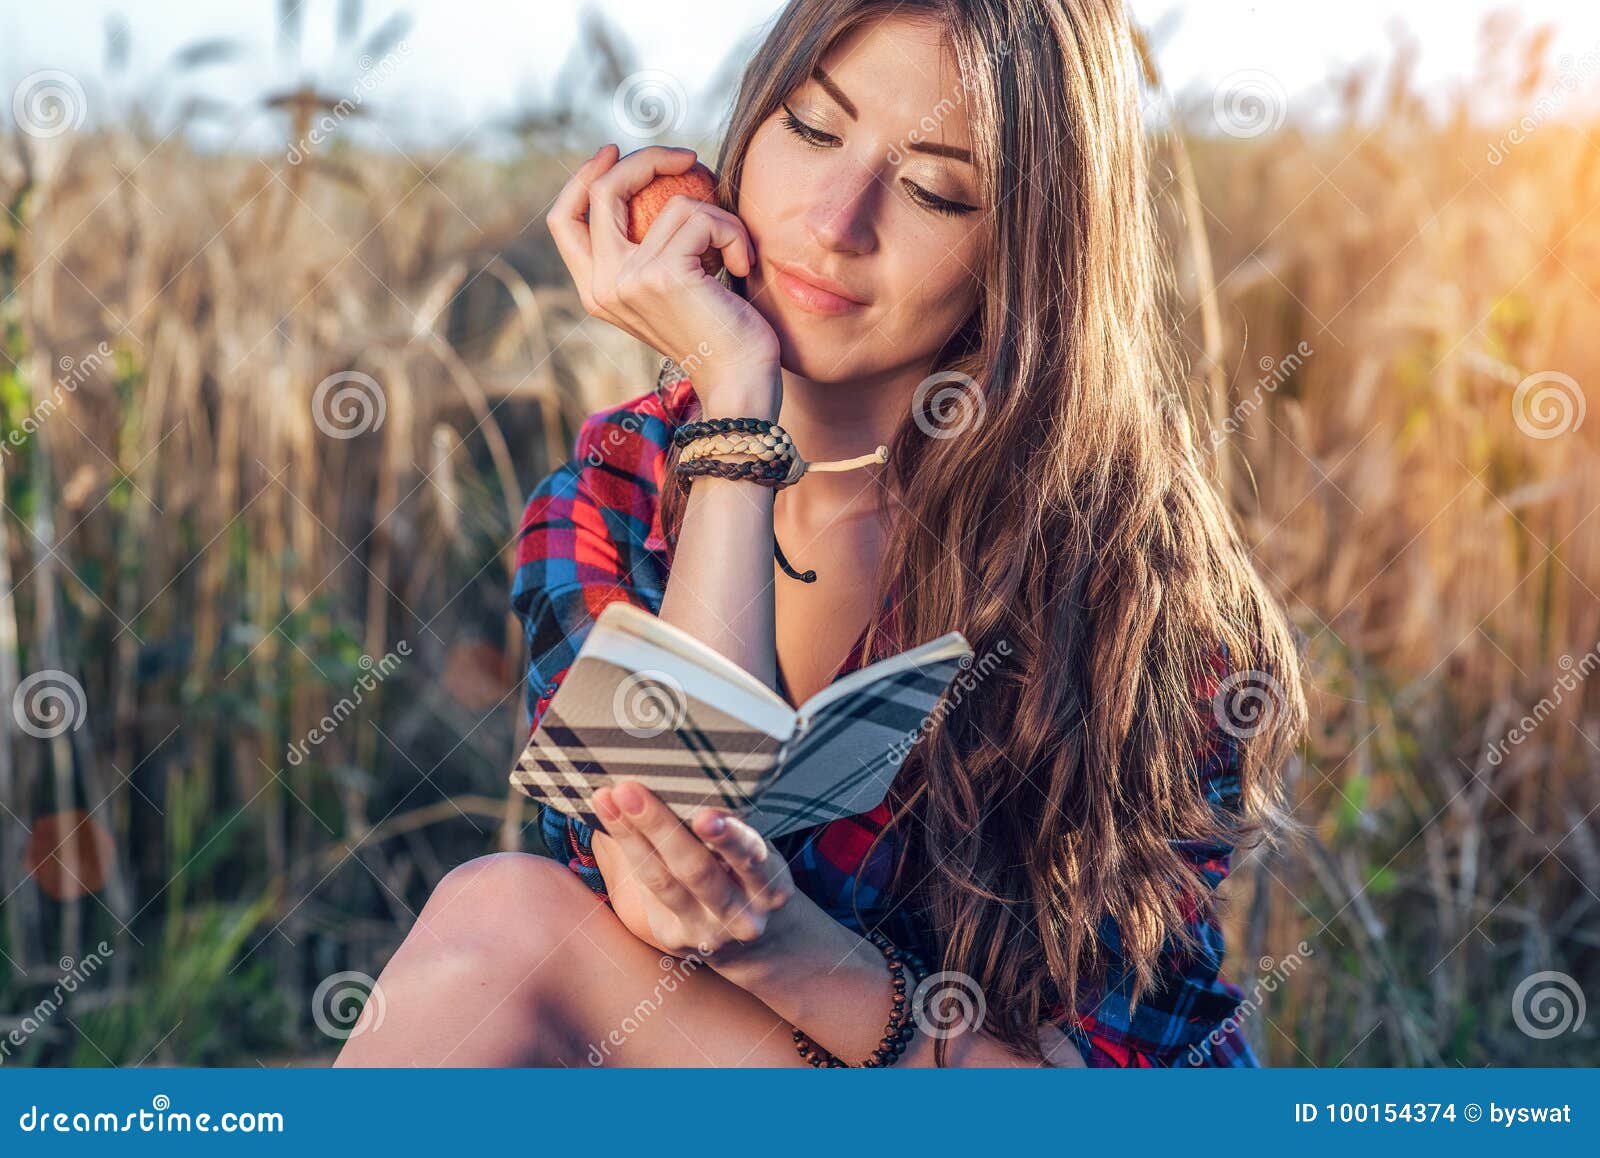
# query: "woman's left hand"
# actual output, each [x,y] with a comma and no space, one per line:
[713,886]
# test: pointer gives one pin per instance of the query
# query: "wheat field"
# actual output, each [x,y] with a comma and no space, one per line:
[269,422]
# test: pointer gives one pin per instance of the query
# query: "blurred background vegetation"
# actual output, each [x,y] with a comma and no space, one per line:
[221,547]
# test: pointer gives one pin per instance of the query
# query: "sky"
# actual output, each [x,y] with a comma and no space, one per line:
[474,62]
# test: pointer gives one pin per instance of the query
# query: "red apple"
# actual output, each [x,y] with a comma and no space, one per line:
[699,182]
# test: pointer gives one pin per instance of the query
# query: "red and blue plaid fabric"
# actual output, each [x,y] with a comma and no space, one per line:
[592,534]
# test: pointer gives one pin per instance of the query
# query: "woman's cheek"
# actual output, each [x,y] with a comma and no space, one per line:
[938,300]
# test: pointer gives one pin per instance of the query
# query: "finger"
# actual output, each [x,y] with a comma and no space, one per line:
[684,854]
[690,227]
[568,217]
[611,192]
[744,850]
[644,865]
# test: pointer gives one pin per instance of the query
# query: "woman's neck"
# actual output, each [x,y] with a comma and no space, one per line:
[836,420]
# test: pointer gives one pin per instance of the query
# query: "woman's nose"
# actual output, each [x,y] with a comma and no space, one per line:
[841,214]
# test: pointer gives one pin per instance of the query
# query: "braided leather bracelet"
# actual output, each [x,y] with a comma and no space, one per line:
[766,446]
[897,1034]
[768,441]
[775,462]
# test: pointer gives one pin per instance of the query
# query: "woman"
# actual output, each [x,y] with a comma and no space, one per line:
[933,202]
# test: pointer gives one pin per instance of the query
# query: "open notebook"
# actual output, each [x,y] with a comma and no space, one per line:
[647,701]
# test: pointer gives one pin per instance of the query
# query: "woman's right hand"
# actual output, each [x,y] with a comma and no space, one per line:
[657,290]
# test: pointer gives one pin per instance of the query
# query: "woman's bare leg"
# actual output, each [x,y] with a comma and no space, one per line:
[513,961]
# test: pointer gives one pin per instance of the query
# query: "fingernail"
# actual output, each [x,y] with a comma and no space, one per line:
[631,798]
[607,810]
[718,823]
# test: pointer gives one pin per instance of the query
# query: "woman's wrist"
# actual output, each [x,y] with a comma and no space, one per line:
[753,393]
[807,962]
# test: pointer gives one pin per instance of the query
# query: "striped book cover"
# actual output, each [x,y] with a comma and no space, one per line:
[647,701]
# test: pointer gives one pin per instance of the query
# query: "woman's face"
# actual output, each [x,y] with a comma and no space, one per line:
[860,178]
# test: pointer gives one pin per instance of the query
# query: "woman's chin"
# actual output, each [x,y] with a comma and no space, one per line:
[816,354]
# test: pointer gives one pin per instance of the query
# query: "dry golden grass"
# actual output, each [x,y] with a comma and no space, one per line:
[185,539]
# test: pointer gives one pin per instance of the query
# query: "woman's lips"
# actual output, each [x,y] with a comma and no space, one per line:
[811,298]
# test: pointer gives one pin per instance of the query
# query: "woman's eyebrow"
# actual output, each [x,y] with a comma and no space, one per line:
[834,91]
[844,102]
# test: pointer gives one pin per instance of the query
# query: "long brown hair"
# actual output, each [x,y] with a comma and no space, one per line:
[1071,527]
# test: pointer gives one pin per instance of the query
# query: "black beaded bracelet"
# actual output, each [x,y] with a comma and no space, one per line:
[686,433]
[897,1034]
[753,470]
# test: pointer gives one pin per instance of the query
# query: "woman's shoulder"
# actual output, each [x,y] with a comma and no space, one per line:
[636,432]
[612,481]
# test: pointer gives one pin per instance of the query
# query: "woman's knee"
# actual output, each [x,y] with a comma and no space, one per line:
[503,914]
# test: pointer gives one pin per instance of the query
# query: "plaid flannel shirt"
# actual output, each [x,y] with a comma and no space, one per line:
[592,534]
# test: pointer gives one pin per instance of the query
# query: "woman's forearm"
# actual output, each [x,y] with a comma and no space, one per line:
[834,984]
[719,589]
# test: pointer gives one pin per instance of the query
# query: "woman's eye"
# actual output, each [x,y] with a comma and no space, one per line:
[817,139]
[938,204]
[805,132]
